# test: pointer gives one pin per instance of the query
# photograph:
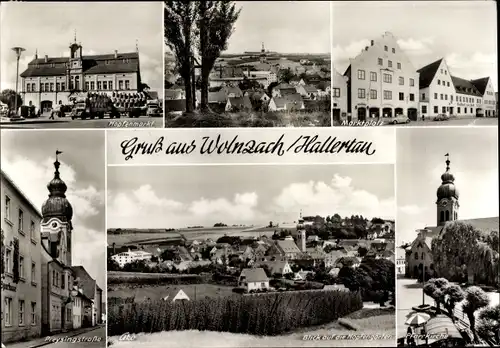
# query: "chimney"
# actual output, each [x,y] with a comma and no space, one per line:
[372,42]
[116,54]
[46,58]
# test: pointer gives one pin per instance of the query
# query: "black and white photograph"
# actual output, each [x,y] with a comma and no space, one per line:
[247,64]
[53,239]
[251,256]
[88,66]
[414,63]
[447,239]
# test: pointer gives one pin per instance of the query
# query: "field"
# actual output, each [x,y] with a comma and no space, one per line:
[380,324]
[193,291]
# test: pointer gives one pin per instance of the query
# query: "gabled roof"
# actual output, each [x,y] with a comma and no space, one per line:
[288,246]
[310,89]
[481,84]
[428,72]
[232,89]
[95,64]
[85,281]
[241,102]
[465,87]
[254,275]
[284,86]
[274,266]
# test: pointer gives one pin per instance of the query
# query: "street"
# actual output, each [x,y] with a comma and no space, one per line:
[124,122]
[479,121]
[409,294]
[95,338]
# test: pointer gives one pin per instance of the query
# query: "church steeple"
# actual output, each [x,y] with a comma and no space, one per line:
[447,196]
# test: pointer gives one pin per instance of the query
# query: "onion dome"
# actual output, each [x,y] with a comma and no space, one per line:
[57,205]
[447,189]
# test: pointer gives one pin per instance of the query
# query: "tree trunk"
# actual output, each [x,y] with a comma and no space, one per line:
[203,50]
[186,71]
[472,323]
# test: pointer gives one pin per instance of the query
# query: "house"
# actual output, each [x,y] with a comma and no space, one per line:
[173,94]
[238,104]
[307,91]
[276,267]
[312,238]
[291,102]
[332,257]
[400,262]
[253,279]
[335,287]
[174,295]
[232,91]
[347,262]
[288,249]
[334,272]
[257,96]
[282,90]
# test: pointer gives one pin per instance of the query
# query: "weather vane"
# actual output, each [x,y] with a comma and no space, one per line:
[58,153]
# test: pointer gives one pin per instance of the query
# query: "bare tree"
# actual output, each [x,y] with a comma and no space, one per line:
[215,26]
[179,17]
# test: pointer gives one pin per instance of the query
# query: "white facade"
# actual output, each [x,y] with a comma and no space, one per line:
[382,81]
[439,97]
[77,312]
[268,75]
[339,95]
[257,285]
[467,104]
[130,256]
[489,100]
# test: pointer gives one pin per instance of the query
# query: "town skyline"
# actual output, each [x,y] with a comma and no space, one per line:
[82,169]
[420,163]
[22,25]
[464,33]
[177,197]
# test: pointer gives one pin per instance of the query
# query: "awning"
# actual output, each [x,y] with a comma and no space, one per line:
[441,326]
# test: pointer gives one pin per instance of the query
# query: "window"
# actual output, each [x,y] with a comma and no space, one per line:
[423,256]
[393,50]
[105,85]
[387,95]
[436,110]
[423,96]
[47,87]
[110,84]
[448,84]
[33,272]
[263,285]
[435,95]
[446,97]
[58,87]
[424,109]
[385,48]
[416,256]
[8,311]
[54,278]
[399,66]
[412,97]
[412,82]
[87,85]
[458,109]
[439,82]
[41,87]
[387,78]
[390,63]
[443,109]
[33,87]
[21,312]
[28,87]
[451,97]
[441,96]
[33,313]
[8,262]
[380,61]
[336,92]
[7,208]
[401,96]
[361,74]
[99,85]
[361,93]
[21,267]
[32,230]
[127,84]
[401,81]
[52,86]
[120,84]
[77,82]
[373,76]
[20,221]
[63,86]
[373,94]
[63,281]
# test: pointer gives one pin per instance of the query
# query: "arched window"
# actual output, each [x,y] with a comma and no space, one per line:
[442,216]
[456,216]
[77,82]
[423,256]
[447,215]
[416,256]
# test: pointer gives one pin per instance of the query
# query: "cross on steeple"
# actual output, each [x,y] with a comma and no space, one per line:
[75,36]
[447,161]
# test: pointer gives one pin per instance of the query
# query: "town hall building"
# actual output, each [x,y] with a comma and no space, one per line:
[49,81]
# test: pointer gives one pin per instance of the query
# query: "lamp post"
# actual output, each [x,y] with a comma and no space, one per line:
[19,51]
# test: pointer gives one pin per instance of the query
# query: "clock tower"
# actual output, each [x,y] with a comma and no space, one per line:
[447,197]
[57,212]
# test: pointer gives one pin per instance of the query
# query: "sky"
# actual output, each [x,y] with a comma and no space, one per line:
[181,196]
[283,26]
[463,32]
[420,163]
[101,28]
[28,156]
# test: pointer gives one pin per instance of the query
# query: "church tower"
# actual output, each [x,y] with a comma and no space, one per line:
[263,58]
[75,67]
[447,197]
[57,212]
[301,234]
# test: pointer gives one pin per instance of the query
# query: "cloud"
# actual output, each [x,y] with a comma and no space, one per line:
[412,209]
[338,196]
[416,46]
[343,54]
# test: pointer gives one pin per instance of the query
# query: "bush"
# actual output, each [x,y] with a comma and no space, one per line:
[271,314]
[159,278]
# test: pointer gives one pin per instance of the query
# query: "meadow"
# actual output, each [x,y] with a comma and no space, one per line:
[262,315]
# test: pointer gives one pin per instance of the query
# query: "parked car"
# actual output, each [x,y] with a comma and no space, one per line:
[398,119]
[441,117]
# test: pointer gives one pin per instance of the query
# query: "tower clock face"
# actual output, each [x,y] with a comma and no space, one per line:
[444,203]
[55,224]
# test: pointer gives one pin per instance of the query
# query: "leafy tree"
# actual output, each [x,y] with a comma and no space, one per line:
[475,299]
[355,278]
[489,324]
[8,96]
[454,294]
[336,218]
[214,25]
[113,265]
[362,251]
[377,220]
[179,17]
[436,288]
[285,75]
[271,87]
[169,255]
